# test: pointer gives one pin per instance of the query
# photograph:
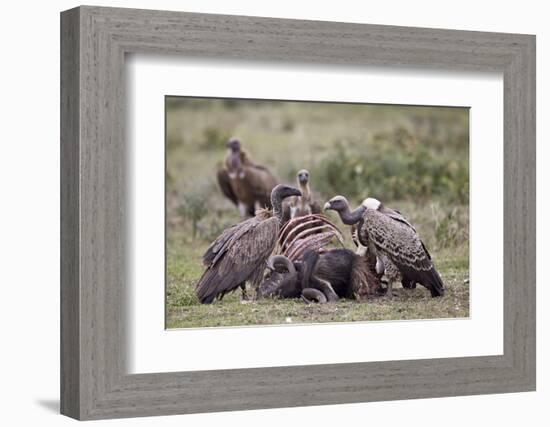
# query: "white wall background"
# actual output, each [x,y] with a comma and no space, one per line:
[29,212]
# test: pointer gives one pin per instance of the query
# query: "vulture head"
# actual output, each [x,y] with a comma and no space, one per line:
[282,191]
[340,204]
[234,145]
[278,194]
[235,163]
[303,176]
[337,203]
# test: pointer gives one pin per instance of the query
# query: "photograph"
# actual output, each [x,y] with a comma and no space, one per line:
[293,212]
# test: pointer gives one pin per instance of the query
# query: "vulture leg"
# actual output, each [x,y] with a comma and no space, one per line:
[380,267]
[389,293]
[243,209]
[243,291]
[408,284]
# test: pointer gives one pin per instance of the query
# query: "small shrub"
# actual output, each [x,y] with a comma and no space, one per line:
[193,208]
[452,229]
[212,227]
[393,167]
[213,139]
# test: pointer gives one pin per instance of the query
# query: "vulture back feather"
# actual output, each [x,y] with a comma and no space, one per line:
[398,240]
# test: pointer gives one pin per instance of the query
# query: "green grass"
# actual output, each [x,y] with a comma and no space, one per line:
[405,305]
[414,159]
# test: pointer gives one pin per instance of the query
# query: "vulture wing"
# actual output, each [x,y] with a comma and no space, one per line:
[236,256]
[261,183]
[396,215]
[225,186]
[402,245]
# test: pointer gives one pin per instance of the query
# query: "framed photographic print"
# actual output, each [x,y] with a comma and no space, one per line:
[262,213]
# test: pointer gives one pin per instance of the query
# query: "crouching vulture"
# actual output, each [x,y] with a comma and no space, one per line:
[245,183]
[387,233]
[239,254]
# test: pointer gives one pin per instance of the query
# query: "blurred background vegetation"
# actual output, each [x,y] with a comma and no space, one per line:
[412,158]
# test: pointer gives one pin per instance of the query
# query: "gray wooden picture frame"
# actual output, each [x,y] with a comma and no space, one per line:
[94,41]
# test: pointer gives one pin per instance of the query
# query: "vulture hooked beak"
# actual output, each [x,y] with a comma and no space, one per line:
[327,206]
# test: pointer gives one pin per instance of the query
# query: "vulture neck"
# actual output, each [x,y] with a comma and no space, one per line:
[349,218]
[277,204]
[306,193]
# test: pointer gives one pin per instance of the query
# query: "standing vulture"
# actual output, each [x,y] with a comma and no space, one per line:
[301,205]
[380,264]
[239,254]
[245,183]
[387,233]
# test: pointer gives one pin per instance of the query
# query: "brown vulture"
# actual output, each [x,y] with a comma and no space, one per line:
[304,204]
[239,254]
[386,232]
[245,183]
[379,264]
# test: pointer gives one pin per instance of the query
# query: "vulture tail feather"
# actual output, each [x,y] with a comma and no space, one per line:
[432,280]
[436,284]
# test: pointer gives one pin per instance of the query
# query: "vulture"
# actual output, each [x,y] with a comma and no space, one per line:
[379,265]
[245,183]
[387,233]
[240,253]
[301,205]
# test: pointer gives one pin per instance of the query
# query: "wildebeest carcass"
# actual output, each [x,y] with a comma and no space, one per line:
[326,276]
[285,279]
[305,267]
[314,231]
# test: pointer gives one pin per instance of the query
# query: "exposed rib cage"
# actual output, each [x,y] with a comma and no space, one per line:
[312,231]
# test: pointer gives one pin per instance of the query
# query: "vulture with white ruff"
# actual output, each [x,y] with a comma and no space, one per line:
[379,263]
[386,232]
[246,184]
[240,253]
